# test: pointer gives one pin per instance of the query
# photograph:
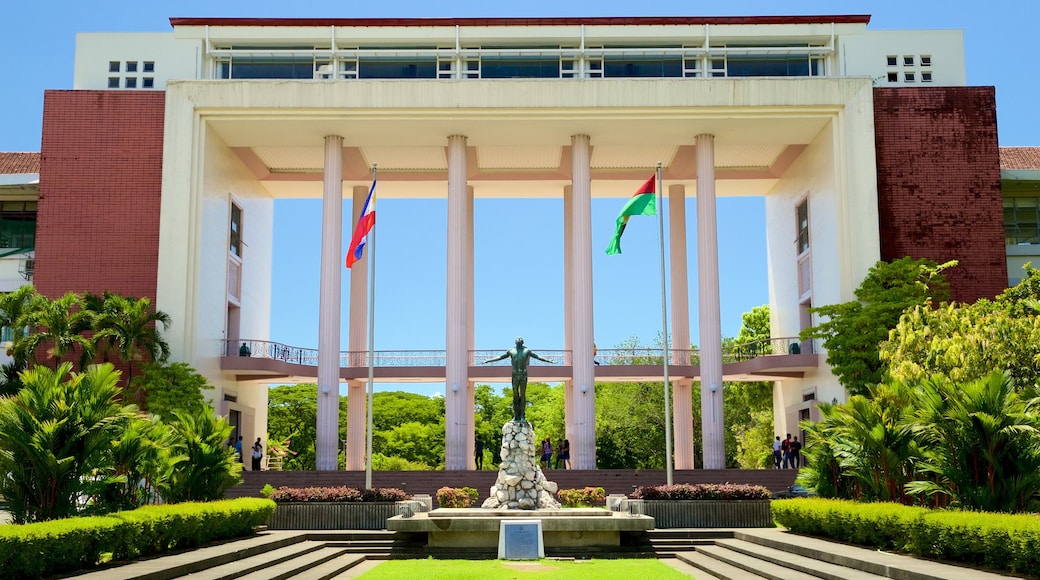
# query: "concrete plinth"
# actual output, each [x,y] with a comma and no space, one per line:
[479,528]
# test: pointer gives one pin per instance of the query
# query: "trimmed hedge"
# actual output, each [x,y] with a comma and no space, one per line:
[1009,542]
[46,548]
[457,497]
[341,494]
[701,491]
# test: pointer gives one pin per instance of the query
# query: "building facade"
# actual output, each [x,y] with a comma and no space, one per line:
[172,148]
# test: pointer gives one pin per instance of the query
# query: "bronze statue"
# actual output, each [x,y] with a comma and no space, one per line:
[520,355]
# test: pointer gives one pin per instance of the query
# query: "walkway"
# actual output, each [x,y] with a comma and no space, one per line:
[766,360]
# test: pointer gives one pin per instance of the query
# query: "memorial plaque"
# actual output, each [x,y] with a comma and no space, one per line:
[520,540]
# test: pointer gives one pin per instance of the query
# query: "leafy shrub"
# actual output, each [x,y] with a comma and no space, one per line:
[267,490]
[337,494]
[588,497]
[701,491]
[456,497]
[47,548]
[999,541]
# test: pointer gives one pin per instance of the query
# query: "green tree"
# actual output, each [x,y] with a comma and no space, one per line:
[54,434]
[415,443]
[60,324]
[14,306]
[130,327]
[292,414]
[983,443]
[142,465]
[172,387]
[209,468]
[748,406]
[852,331]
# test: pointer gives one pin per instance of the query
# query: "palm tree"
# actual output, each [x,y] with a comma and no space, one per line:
[130,326]
[210,468]
[54,434]
[59,323]
[14,306]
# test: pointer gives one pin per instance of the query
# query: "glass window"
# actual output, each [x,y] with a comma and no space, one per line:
[383,68]
[893,77]
[18,224]
[1021,220]
[149,66]
[802,213]
[908,77]
[892,60]
[131,66]
[926,77]
[926,60]
[908,60]
[113,66]
[267,68]
[642,66]
[113,82]
[519,67]
[766,65]
[147,83]
[131,83]
[236,230]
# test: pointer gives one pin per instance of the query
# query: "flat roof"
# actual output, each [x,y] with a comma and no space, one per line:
[555,21]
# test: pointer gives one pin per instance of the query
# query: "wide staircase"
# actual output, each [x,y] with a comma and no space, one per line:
[706,554]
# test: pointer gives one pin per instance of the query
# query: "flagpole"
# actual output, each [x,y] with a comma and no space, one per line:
[664,330]
[371,243]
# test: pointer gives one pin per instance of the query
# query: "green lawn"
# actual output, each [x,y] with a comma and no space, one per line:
[644,569]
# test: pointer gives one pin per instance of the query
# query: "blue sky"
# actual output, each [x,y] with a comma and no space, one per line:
[37,45]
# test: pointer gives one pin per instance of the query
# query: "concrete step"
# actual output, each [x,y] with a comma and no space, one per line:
[686,569]
[804,564]
[332,568]
[291,568]
[256,562]
[358,570]
[753,565]
[717,569]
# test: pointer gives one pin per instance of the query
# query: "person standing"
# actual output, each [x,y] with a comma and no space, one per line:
[258,454]
[785,448]
[796,452]
[547,452]
[238,449]
[478,453]
[564,455]
[777,458]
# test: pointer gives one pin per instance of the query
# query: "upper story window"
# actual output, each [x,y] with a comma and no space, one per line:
[1021,220]
[656,66]
[18,224]
[236,230]
[124,74]
[768,65]
[802,220]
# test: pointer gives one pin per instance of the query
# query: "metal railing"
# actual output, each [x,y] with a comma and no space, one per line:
[437,358]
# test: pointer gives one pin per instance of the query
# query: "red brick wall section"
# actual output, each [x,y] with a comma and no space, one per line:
[939,195]
[100,190]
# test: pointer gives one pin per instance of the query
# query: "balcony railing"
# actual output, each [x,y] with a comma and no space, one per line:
[437,358]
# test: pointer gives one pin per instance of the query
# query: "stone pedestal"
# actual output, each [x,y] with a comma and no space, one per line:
[520,483]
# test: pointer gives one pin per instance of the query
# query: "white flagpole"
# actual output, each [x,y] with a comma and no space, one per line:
[664,330]
[371,243]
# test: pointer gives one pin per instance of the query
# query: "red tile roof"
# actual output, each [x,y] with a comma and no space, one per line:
[11,163]
[1020,158]
[560,21]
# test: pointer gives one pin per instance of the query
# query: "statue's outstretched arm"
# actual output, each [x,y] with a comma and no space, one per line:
[535,355]
[504,355]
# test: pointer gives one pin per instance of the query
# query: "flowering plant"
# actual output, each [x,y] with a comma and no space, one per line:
[456,497]
[337,494]
[588,497]
[702,491]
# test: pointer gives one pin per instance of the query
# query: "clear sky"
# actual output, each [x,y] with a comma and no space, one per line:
[37,47]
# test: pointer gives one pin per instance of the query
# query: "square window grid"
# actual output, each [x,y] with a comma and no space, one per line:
[908,77]
[113,66]
[131,66]
[892,60]
[148,83]
[149,66]
[908,60]
[130,83]
[113,82]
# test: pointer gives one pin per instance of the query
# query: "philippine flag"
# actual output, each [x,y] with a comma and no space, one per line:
[364,225]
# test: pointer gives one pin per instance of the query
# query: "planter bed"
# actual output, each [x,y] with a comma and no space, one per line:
[332,515]
[753,513]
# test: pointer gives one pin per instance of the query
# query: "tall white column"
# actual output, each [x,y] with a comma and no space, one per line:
[327,445]
[358,347]
[568,305]
[470,334]
[710,316]
[583,444]
[682,404]
[456,423]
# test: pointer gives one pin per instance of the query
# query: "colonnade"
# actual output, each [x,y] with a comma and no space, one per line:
[578,326]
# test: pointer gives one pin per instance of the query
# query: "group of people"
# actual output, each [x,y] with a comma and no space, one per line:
[563,454]
[257,451]
[787,453]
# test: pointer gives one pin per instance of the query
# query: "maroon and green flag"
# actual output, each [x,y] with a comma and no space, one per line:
[643,202]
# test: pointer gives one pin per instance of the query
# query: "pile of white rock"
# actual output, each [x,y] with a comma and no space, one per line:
[520,483]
